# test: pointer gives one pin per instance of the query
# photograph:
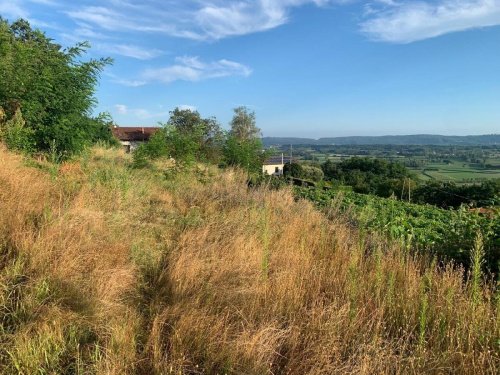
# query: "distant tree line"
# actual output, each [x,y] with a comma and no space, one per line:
[451,195]
[385,179]
[371,176]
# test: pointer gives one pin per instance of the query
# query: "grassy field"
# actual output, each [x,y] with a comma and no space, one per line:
[105,269]
[456,172]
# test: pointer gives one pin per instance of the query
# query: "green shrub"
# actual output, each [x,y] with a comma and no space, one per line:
[16,135]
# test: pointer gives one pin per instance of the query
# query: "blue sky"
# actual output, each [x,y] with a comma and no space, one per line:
[308,68]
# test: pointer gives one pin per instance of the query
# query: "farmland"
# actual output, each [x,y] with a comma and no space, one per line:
[457,171]
[459,164]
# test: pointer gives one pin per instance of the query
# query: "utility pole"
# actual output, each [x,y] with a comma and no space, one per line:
[409,190]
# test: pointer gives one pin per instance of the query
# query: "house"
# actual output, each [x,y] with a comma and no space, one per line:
[132,137]
[274,165]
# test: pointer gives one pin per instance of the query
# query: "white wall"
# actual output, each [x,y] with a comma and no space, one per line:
[271,169]
[130,146]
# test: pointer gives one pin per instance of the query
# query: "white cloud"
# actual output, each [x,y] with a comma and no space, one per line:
[187,107]
[122,109]
[139,113]
[193,69]
[129,82]
[129,50]
[397,21]
[194,19]
[12,9]
[410,21]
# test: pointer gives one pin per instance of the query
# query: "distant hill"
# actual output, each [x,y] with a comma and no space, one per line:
[418,139]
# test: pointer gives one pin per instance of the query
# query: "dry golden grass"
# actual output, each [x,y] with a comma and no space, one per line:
[109,270]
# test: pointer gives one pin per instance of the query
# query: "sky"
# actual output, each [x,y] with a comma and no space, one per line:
[308,68]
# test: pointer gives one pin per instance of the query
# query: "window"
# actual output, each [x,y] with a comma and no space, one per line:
[277,170]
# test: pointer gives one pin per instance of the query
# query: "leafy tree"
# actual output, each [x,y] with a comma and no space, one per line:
[329,169]
[243,146]
[52,86]
[244,153]
[202,137]
[293,170]
[243,125]
[448,194]
[370,176]
[186,137]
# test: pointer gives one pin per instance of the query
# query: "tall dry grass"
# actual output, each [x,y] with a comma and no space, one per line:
[109,270]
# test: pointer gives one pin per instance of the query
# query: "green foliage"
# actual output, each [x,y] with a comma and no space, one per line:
[449,194]
[370,176]
[193,137]
[307,172]
[15,134]
[310,172]
[243,125]
[246,154]
[186,137]
[243,146]
[53,88]
[154,149]
[293,170]
[450,234]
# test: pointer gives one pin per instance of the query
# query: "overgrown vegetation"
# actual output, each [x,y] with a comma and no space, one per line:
[109,269]
[383,178]
[47,93]
[188,138]
[447,234]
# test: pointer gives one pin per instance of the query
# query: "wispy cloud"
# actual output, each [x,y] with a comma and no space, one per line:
[129,50]
[409,21]
[140,113]
[15,9]
[193,69]
[186,68]
[397,21]
[12,9]
[194,19]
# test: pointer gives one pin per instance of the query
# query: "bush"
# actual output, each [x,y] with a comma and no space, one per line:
[16,135]
[310,172]
[293,170]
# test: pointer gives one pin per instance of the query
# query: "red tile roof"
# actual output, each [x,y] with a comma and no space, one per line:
[138,133]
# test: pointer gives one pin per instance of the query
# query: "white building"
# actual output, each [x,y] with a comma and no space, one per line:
[273,166]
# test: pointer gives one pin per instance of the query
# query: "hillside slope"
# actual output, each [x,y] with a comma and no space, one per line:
[109,270]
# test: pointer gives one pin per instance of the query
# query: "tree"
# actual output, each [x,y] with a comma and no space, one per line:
[293,170]
[243,125]
[203,137]
[186,137]
[370,175]
[243,146]
[52,86]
